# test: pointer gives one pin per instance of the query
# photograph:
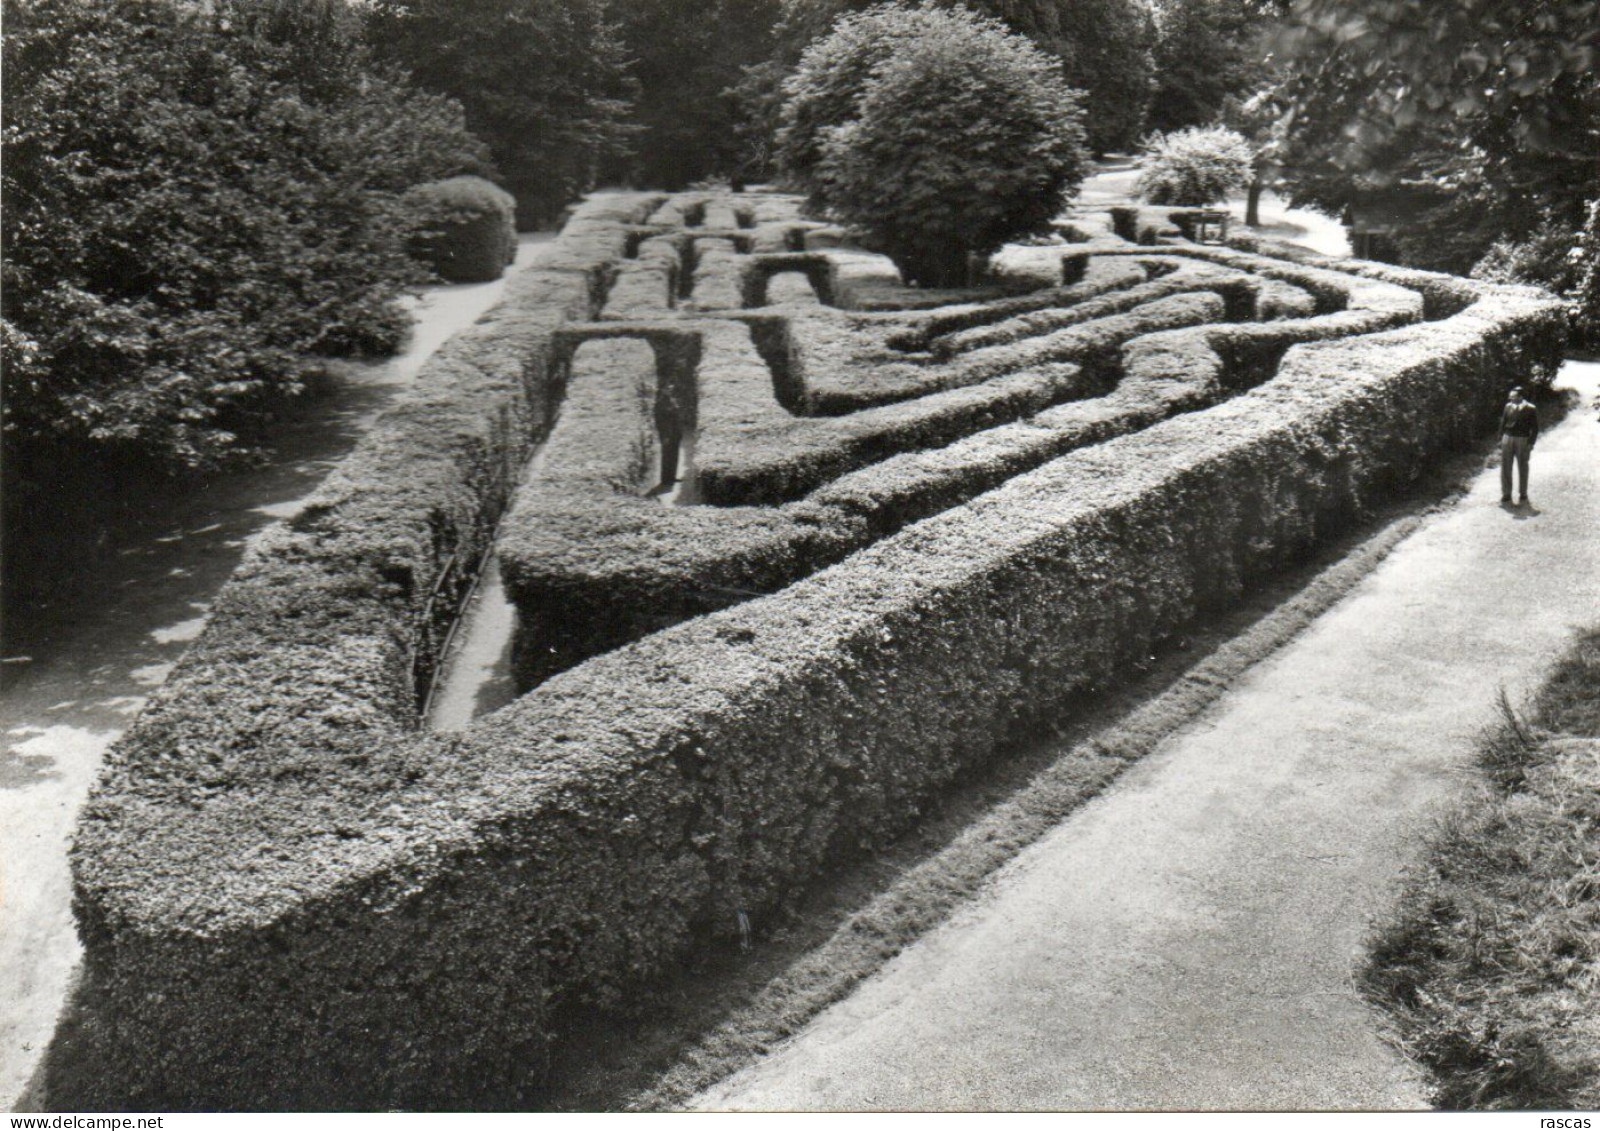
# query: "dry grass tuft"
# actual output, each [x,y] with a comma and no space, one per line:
[1491,974]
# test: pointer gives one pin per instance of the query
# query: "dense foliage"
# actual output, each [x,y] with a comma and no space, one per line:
[195,201]
[1195,166]
[544,82]
[826,87]
[1553,258]
[1105,48]
[688,68]
[1510,65]
[1208,52]
[963,136]
[1490,107]
[463,227]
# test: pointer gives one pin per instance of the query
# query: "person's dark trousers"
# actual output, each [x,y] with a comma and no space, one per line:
[1514,448]
[672,445]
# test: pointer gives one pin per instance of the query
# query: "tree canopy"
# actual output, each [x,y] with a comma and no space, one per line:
[687,69]
[1495,103]
[1105,47]
[544,82]
[195,202]
[962,135]
[1522,67]
[1208,52]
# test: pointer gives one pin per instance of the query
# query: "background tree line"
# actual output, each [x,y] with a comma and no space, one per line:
[201,199]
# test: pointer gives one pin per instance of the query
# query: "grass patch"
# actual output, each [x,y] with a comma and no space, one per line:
[724,1008]
[1491,972]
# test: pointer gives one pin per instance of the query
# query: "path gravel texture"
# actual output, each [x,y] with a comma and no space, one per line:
[1188,940]
[1115,177]
[77,673]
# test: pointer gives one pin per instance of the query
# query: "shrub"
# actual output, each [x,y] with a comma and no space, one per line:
[195,200]
[1105,49]
[1195,167]
[1543,259]
[826,87]
[464,228]
[964,138]
[1557,259]
[290,897]
[544,82]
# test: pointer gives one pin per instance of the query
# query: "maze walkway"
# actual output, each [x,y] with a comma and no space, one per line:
[1187,940]
[799,545]
[95,656]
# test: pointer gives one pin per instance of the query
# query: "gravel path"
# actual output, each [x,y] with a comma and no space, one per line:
[78,672]
[1187,940]
[1114,180]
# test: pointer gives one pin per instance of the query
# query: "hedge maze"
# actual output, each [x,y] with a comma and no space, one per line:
[796,544]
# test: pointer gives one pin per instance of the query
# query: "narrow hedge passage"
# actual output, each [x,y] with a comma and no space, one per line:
[277,866]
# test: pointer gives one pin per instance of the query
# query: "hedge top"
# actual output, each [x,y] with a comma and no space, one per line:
[278,772]
[467,194]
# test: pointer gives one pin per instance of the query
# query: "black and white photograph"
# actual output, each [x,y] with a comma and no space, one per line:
[833,556]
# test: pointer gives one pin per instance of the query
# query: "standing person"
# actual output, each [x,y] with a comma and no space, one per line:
[1519,429]
[670,411]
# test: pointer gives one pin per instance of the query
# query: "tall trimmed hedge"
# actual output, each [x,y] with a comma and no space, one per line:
[289,897]
[592,565]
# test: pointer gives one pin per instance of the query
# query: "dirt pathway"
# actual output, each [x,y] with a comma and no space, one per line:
[1114,181]
[1187,940]
[79,670]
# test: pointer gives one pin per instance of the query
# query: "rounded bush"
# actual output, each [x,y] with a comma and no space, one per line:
[965,137]
[464,228]
[826,88]
[1194,167]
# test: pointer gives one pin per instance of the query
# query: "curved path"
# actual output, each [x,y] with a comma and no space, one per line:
[1187,940]
[76,673]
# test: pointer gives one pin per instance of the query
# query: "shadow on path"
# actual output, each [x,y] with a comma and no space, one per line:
[83,656]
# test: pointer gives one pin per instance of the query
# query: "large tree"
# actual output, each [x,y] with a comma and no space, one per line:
[963,136]
[195,200]
[1492,106]
[544,82]
[1105,48]
[1207,52]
